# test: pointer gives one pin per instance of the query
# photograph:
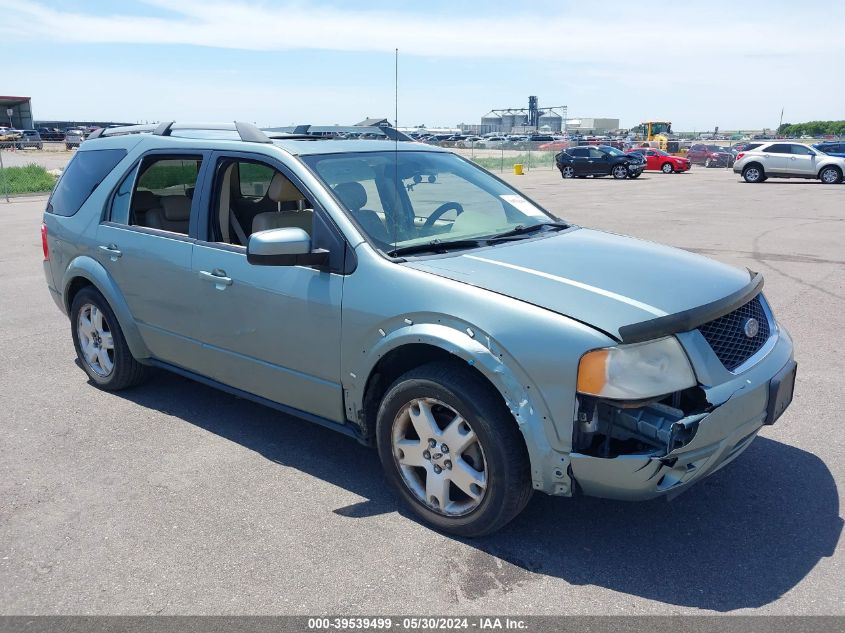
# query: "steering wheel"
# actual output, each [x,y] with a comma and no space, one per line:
[440,211]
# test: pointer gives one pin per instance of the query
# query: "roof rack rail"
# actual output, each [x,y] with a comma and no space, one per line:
[333,131]
[246,131]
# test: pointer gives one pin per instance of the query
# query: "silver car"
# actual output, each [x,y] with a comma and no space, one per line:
[399,294]
[784,159]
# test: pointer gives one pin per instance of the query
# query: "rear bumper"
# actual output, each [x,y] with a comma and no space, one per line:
[722,435]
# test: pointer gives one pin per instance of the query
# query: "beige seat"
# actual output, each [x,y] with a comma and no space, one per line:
[354,197]
[173,215]
[282,190]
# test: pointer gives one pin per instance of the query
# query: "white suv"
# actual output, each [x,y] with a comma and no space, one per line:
[788,160]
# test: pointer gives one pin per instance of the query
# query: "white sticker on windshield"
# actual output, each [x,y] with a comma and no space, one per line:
[522,205]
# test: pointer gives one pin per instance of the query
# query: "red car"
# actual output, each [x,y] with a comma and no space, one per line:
[558,144]
[658,160]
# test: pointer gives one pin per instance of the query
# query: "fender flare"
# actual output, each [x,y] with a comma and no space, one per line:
[480,351]
[90,269]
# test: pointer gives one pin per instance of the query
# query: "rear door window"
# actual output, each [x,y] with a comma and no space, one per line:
[779,148]
[81,177]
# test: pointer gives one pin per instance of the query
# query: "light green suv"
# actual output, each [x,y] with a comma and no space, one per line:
[400,294]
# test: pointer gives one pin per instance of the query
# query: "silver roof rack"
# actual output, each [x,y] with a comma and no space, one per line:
[246,131]
[333,131]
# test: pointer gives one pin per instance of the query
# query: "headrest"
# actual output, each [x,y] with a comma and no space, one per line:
[176,208]
[282,190]
[352,194]
[144,200]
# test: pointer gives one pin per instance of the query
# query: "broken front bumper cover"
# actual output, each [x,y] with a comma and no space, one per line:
[722,435]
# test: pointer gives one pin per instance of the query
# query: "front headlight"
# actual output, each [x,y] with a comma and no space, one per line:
[637,371]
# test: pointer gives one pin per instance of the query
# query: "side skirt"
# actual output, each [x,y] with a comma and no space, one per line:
[346,429]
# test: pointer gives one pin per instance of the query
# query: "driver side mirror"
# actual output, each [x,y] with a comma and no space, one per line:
[288,246]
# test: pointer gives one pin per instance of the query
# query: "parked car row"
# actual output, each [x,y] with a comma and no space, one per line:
[11,138]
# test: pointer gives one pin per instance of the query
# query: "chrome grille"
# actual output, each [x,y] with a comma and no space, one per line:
[727,337]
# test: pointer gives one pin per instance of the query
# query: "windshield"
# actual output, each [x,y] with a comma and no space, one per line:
[440,198]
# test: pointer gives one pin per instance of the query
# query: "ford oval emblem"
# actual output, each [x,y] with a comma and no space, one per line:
[751,327]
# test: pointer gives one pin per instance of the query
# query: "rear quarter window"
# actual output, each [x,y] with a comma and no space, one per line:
[81,177]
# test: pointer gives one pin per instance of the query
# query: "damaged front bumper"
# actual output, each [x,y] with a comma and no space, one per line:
[739,408]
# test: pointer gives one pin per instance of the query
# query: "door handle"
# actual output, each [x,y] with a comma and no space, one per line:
[217,277]
[112,251]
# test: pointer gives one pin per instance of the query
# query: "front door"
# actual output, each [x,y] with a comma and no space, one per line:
[599,162]
[802,161]
[273,331]
[144,243]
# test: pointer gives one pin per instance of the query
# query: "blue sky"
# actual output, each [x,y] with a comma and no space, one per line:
[698,64]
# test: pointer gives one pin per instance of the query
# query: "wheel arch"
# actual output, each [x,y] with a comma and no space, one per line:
[411,345]
[829,165]
[754,163]
[85,271]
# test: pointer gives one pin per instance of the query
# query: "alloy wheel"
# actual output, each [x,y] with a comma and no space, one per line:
[830,176]
[95,340]
[439,457]
[667,168]
[567,172]
[620,171]
[752,174]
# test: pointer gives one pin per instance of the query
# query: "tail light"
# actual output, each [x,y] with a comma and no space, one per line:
[740,155]
[44,246]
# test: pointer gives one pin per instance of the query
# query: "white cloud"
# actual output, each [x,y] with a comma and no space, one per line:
[698,64]
[623,34]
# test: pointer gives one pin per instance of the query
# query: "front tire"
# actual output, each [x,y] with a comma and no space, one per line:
[100,344]
[452,451]
[708,163]
[830,176]
[567,171]
[620,172]
[667,168]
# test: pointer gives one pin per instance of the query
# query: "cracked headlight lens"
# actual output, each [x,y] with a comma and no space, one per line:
[637,371]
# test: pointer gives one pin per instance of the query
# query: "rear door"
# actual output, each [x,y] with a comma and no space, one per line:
[775,158]
[580,160]
[145,243]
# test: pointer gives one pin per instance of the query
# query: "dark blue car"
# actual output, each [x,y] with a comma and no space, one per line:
[832,148]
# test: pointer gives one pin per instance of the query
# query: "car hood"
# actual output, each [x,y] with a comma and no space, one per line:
[605,280]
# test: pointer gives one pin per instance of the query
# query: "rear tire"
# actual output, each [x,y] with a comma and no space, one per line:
[753,174]
[447,401]
[100,344]
[830,175]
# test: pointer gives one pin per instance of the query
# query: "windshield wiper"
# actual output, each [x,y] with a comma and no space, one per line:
[436,246]
[525,230]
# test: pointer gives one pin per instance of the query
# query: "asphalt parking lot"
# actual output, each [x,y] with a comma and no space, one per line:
[174,498]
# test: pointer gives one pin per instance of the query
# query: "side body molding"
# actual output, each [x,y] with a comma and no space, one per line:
[90,269]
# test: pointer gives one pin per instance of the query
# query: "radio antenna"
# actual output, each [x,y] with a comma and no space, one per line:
[395,143]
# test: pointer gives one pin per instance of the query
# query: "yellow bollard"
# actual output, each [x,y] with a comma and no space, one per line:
[517,169]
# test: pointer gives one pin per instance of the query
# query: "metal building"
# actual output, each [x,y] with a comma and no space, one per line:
[16,112]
